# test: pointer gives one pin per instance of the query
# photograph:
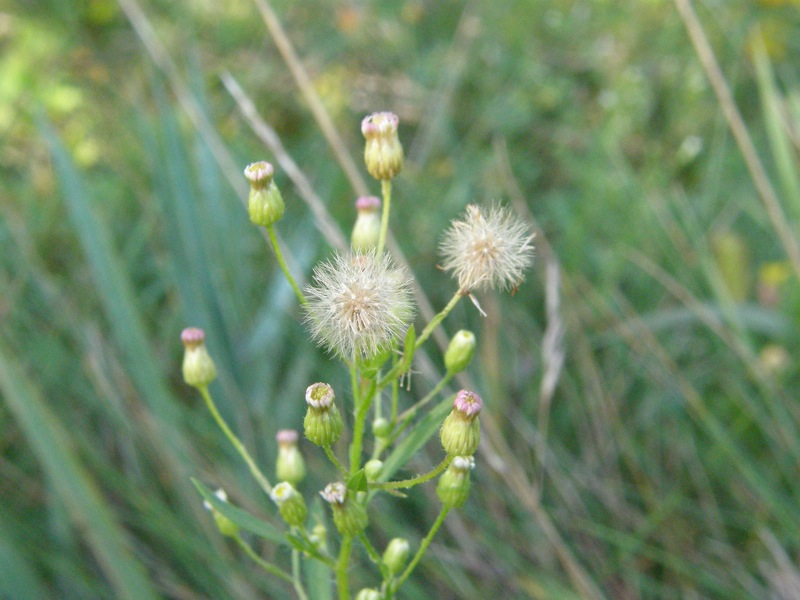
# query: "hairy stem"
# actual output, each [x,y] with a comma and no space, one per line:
[254,470]
[386,191]
[273,240]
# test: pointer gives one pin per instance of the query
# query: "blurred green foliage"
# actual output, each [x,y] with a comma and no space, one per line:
[667,462]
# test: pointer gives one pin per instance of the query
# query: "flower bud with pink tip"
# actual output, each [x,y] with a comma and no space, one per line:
[383,152]
[461,432]
[198,368]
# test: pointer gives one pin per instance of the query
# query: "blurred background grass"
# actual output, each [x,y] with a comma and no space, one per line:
[659,461]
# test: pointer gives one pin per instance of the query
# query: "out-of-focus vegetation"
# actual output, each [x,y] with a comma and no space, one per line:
[665,463]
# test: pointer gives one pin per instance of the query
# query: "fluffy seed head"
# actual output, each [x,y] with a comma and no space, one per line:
[488,248]
[358,304]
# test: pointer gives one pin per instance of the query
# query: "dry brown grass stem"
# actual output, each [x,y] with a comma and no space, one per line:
[740,133]
[303,82]
[326,224]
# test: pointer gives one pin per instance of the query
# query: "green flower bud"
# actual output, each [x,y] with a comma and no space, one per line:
[265,203]
[367,229]
[459,352]
[319,537]
[349,516]
[224,524]
[372,469]
[198,368]
[323,424]
[368,594]
[290,504]
[381,428]
[396,555]
[383,153]
[290,465]
[453,487]
[461,431]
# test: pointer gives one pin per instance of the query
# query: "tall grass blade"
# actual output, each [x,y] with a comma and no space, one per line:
[74,486]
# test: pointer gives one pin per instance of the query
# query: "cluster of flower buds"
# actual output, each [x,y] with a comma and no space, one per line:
[323,424]
[349,515]
[264,203]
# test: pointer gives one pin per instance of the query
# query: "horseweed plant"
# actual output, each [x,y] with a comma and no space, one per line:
[359,307]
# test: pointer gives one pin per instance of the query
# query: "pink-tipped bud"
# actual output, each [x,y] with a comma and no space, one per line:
[323,424]
[461,431]
[198,368]
[290,465]
[264,203]
[383,153]
[469,404]
[367,229]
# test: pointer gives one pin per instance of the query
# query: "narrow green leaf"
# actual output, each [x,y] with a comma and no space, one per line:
[358,482]
[87,508]
[241,517]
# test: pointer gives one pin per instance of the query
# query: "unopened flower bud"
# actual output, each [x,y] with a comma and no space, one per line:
[396,555]
[367,229]
[323,424]
[349,516]
[265,203]
[459,352]
[453,487]
[198,368]
[224,524]
[319,537]
[290,504]
[290,464]
[372,470]
[461,431]
[383,153]
[368,594]
[381,428]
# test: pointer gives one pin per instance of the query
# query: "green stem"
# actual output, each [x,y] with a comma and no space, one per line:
[335,460]
[410,412]
[364,401]
[273,240]
[407,483]
[342,566]
[298,585]
[254,470]
[386,191]
[426,333]
[268,567]
[422,548]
